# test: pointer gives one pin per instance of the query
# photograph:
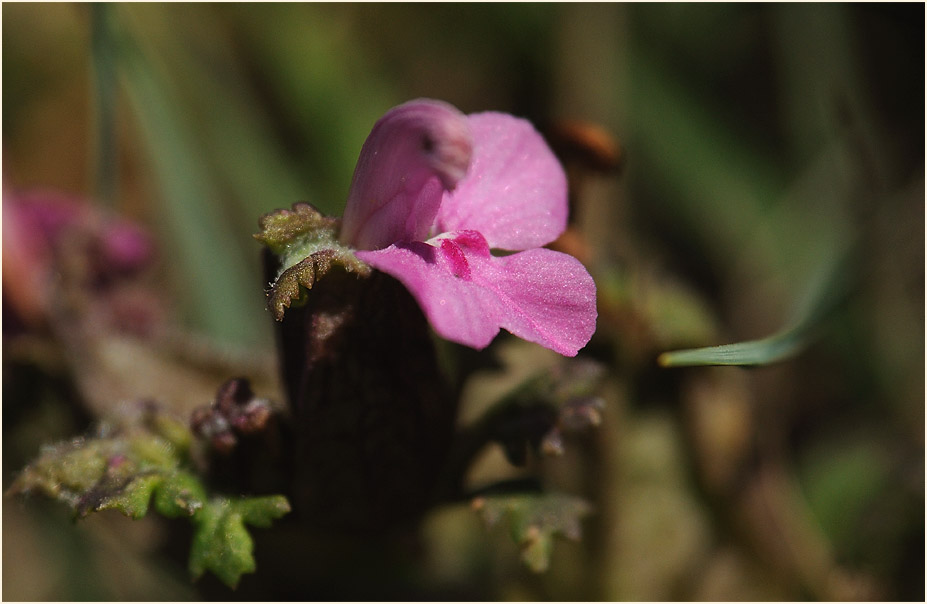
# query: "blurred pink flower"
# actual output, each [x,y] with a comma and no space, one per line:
[42,227]
[435,190]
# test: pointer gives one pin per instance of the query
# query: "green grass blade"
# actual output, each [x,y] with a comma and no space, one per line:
[204,250]
[103,58]
[829,287]
[748,354]
[197,50]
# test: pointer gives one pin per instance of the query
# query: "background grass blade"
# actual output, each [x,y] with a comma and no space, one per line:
[218,298]
[829,287]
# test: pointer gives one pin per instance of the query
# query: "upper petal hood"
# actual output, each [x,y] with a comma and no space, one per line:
[414,153]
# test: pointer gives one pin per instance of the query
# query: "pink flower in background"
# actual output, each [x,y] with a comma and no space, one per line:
[434,191]
[41,228]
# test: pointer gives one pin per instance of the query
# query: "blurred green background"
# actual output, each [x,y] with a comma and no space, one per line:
[758,140]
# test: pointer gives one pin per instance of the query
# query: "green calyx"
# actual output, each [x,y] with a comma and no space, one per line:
[306,245]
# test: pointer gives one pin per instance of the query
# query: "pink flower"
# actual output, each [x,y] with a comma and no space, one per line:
[43,227]
[434,191]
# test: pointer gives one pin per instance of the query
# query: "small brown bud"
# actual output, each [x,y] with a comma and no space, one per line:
[587,143]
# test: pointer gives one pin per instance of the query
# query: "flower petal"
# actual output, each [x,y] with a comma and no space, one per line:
[552,298]
[515,193]
[414,153]
[539,295]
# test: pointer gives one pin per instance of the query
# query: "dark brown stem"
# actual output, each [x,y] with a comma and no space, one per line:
[372,413]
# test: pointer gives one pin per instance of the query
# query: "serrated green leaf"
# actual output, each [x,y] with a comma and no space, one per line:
[261,511]
[132,499]
[180,494]
[66,470]
[222,544]
[152,451]
[120,472]
[131,466]
[174,431]
[534,520]
[536,550]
